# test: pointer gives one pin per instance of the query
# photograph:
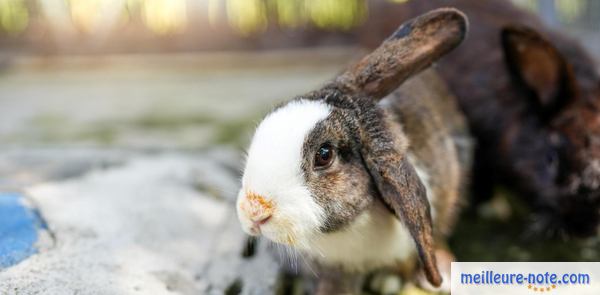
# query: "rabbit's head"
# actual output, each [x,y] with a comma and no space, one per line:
[317,162]
[556,152]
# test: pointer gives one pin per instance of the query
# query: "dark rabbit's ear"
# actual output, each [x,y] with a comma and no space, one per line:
[539,67]
[398,183]
[412,48]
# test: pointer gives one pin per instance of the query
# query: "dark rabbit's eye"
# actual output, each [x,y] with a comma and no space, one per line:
[324,156]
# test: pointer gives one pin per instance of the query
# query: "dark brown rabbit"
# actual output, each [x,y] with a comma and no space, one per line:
[532,98]
[360,174]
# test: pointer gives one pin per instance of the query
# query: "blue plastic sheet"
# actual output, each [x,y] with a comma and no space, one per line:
[19,229]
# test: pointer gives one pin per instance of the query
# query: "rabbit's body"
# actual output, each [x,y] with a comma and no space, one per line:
[363,173]
[439,140]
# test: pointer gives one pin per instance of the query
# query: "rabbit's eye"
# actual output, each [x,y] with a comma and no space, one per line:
[324,156]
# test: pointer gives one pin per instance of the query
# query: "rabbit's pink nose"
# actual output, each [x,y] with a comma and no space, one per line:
[257,208]
[257,222]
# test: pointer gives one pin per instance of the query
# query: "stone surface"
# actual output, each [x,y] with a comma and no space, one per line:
[23,167]
[143,227]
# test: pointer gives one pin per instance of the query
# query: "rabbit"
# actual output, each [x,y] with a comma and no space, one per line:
[363,174]
[531,96]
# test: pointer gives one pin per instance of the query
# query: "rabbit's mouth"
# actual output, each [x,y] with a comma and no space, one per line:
[279,230]
[290,224]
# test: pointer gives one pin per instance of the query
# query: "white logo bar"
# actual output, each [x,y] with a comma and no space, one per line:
[528,278]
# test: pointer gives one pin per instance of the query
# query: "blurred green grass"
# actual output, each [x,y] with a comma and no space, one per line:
[501,230]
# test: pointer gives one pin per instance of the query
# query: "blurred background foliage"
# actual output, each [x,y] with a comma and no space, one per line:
[56,26]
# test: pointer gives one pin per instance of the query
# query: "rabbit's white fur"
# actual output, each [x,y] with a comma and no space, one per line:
[277,147]
[376,238]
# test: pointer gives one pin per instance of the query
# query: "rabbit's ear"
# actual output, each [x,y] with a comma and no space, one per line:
[412,48]
[397,181]
[539,67]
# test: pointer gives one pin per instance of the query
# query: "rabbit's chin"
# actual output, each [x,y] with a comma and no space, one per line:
[375,239]
[284,232]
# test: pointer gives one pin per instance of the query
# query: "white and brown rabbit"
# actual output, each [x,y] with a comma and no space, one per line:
[361,174]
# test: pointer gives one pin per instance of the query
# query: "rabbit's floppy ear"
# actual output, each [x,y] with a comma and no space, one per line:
[413,47]
[397,181]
